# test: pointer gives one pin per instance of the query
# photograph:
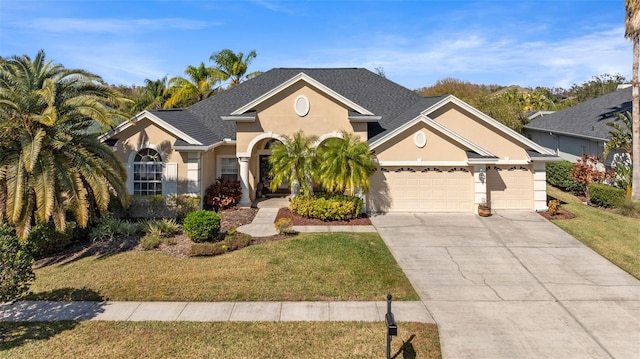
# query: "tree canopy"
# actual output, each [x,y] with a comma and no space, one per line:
[50,163]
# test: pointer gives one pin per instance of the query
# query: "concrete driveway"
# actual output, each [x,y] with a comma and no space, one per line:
[515,286]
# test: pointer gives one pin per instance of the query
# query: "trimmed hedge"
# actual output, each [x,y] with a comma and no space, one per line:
[559,175]
[605,196]
[202,226]
[327,207]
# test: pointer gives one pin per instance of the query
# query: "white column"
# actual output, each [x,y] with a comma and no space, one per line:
[245,201]
[539,187]
[480,186]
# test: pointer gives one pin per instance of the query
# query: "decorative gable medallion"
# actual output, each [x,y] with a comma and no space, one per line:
[420,139]
[301,105]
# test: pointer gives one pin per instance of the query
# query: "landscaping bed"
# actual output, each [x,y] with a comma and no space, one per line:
[298,220]
[231,218]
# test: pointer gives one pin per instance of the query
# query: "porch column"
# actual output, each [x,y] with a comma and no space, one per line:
[480,186]
[539,187]
[245,201]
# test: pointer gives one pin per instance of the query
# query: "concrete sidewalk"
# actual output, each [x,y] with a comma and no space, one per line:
[36,311]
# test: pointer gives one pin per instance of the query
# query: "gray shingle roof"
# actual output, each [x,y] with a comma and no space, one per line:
[395,104]
[587,119]
[188,123]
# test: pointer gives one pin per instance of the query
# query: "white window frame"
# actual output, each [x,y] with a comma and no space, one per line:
[158,171]
[219,160]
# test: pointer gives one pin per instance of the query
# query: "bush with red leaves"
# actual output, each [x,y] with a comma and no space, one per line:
[222,194]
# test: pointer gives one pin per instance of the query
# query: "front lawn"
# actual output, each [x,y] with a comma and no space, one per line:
[307,267]
[615,237]
[219,340]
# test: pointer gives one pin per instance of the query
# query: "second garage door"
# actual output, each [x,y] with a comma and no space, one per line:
[510,187]
[422,189]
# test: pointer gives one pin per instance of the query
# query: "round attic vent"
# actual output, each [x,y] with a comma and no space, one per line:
[301,105]
[420,139]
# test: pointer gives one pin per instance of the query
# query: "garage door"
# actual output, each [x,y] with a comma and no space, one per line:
[510,187]
[421,189]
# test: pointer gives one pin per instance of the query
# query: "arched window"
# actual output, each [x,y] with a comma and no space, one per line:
[147,172]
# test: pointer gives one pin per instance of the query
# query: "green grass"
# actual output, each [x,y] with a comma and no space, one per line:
[308,267]
[615,237]
[219,340]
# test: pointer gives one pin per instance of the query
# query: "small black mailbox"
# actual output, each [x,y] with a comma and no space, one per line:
[392,326]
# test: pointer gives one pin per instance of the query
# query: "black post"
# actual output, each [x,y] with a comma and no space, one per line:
[392,326]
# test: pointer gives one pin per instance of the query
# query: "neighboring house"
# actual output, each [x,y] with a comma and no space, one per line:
[433,154]
[580,129]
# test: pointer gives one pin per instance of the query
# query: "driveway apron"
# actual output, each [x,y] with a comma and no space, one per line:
[514,285]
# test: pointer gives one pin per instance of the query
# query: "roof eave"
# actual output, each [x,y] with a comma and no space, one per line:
[554,132]
[239,118]
[226,141]
[359,119]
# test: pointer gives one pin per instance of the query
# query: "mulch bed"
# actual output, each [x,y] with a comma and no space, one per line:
[560,214]
[298,220]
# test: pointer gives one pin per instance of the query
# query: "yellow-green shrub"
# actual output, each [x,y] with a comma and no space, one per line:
[327,207]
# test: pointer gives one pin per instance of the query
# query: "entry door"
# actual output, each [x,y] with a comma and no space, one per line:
[265,176]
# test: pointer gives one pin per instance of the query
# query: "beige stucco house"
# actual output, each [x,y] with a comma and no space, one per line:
[433,153]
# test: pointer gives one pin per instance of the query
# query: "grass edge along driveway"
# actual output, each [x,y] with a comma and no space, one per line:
[613,236]
[307,267]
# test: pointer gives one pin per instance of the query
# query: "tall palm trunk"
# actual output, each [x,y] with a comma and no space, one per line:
[635,113]
[632,31]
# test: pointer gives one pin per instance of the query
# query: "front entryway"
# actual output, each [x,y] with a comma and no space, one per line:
[265,181]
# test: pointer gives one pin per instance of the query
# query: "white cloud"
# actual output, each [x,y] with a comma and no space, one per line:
[479,58]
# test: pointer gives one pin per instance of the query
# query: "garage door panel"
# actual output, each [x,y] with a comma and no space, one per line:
[510,187]
[422,189]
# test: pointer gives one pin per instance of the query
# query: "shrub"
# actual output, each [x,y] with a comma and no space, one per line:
[629,208]
[605,196]
[182,205]
[222,194]
[128,229]
[150,242]
[109,228]
[589,170]
[44,239]
[231,243]
[554,206]
[15,266]
[559,175]
[161,228]
[327,207]
[202,226]
[206,249]
[283,226]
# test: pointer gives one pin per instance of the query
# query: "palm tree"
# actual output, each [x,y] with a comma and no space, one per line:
[293,161]
[345,164]
[632,31]
[199,86]
[154,95]
[620,135]
[49,163]
[230,65]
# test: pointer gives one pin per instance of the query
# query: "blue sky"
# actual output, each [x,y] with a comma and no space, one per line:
[529,43]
